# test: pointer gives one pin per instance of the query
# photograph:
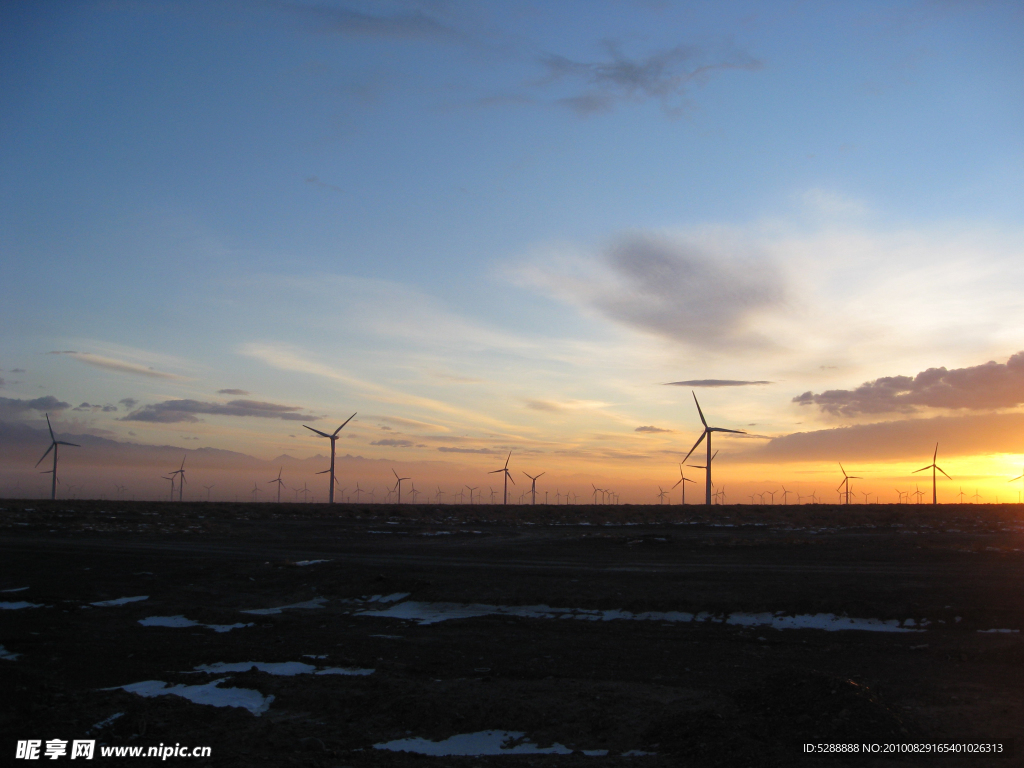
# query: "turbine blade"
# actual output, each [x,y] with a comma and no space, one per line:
[943,472]
[510,477]
[922,469]
[343,425]
[61,442]
[507,459]
[50,428]
[46,454]
[542,473]
[699,441]
[723,429]
[677,483]
[699,410]
[935,455]
[322,434]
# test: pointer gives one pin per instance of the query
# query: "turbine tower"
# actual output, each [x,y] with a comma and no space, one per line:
[508,476]
[933,467]
[707,433]
[280,483]
[683,480]
[845,485]
[471,489]
[54,442]
[533,486]
[181,472]
[334,439]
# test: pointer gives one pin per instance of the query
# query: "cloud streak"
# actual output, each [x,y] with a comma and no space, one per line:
[980,387]
[121,366]
[329,20]
[177,411]
[714,383]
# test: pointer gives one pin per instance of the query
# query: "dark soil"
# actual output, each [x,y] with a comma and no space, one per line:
[694,693]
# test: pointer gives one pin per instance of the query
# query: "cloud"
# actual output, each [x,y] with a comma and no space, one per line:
[446,449]
[346,21]
[664,76]
[240,392]
[110,363]
[17,370]
[128,402]
[907,439]
[315,181]
[13,408]
[565,405]
[652,430]
[90,407]
[980,387]
[702,294]
[714,383]
[176,411]
[393,443]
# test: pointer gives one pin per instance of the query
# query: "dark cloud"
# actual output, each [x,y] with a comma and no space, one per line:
[980,387]
[346,21]
[446,449]
[676,290]
[714,383]
[176,411]
[904,440]
[17,370]
[543,405]
[393,443]
[128,402]
[652,430]
[14,408]
[240,392]
[664,76]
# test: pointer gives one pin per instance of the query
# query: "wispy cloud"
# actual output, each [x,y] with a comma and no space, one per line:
[663,75]
[238,392]
[338,20]
[979,387]
[714,383]
[652,430]
[677,288]
[448,449]
[121,366]
[177,411]
[14,408]
[394,443]
[316,182]
[564,405]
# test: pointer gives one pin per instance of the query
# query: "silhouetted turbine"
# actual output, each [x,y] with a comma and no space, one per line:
[508,476]
[533,486]
[280,483]
[707,433]
[398,485]
[334,439]
[54,442]
[933,467]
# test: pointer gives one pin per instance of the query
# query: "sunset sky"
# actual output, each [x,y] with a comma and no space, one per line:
[525,226]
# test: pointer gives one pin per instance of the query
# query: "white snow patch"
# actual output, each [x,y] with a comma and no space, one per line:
[474,745]
[637,753]
[392,598]
[16,589]
[120,601]
[180,622]
[5,654]
[108,721]
[21,604]
[432,613]
[316,602]
[280,668]
[998,631]
[345,671]
[244,698]
[311,562]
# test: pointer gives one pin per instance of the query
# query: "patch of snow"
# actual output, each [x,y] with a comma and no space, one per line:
[18,605]
[16,589]
[345,671]
[392,598]
[105,723]
[180,622]
[312,656]
[120,601]
[243,698]
[637,753]
[5,654]
[474,745]
[998,631]
[280,668]
[316,602]
[311,562]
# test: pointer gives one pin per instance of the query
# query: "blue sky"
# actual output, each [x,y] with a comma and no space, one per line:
[507,223]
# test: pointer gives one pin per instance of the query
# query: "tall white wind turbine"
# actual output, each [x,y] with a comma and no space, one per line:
[54,442]
[707,433]
[334,439]
[507,474]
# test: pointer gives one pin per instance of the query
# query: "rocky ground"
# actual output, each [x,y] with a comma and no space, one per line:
[700,637]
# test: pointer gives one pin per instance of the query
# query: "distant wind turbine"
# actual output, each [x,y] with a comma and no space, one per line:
[180,472]
[208,489]
[683,480]
[256,491]
[933,467]
[471,489]
[533,486]
[661,495]
[334,439]
[54,442]
[785,495]
[398,485]
[171,478]
[507,474]
[280,483]
[1018,477]
[707,434]
[845,485]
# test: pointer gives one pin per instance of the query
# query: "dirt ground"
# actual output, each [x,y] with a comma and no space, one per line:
[718,689]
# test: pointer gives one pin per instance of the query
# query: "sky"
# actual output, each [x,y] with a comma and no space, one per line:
[533,227]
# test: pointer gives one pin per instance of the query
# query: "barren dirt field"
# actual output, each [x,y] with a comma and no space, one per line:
[628,635]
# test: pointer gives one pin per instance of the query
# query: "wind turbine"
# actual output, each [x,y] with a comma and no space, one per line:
[471,489]
[785,495]
[398,485]
[933,467]
[976,496]
[1018,477]
[280,483]
[597,491]
[171,478]
[358,491]
[54,442]
[438,495]
[492,493]
[181,479]
[256,491]
[208,489]
[683,480]
[508,476]
[334,439]
[845,485]
[533,486]
[414,492]
[661,495]
[707,433]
